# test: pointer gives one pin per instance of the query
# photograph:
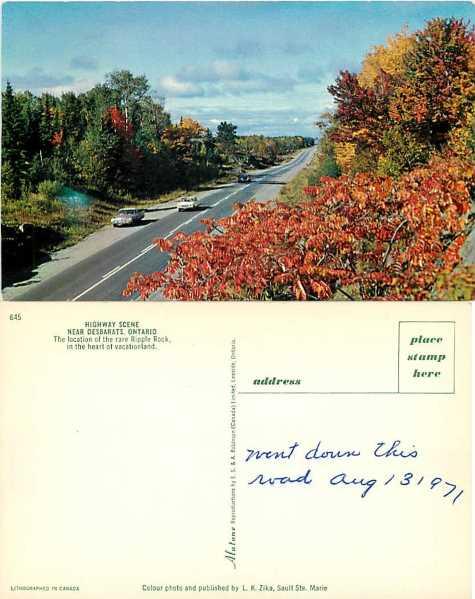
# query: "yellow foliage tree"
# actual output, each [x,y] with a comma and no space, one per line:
[459,139]
[388,58]
[191,126]
[344,155]
[184,137]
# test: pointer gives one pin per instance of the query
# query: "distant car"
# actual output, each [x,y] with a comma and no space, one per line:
[244,178]
[127,216]
[187,203]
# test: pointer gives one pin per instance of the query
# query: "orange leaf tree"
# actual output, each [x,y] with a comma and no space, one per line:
[365,237]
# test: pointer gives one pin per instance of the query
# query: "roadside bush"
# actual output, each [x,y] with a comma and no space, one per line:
[457,285]
[365,236]
[402,152]
[326,167]
[8,183]
[35,208]
[49,190]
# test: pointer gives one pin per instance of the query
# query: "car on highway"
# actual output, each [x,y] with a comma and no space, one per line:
[187,203]
[127,216]
[244,178]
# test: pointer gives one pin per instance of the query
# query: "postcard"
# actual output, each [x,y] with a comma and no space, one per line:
[223,371]
[226,449]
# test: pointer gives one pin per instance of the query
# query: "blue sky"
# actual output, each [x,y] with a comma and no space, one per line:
[265,66]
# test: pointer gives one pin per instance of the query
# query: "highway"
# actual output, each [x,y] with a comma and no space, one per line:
[104,274]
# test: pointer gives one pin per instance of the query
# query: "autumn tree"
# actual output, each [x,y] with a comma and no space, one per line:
[413,97]
[186,142]
[438,87]
[128,91]
[361,115]
[387,58]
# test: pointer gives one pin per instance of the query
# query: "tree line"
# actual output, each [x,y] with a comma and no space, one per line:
[117,139]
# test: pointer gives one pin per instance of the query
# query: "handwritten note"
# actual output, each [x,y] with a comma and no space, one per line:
[400,458]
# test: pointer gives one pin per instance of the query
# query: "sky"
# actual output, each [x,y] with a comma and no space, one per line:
[264,66]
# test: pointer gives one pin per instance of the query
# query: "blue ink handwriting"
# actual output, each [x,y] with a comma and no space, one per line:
[282,480]
[393,451]
[364,483]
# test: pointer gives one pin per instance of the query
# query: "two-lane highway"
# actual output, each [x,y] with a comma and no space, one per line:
[104,275]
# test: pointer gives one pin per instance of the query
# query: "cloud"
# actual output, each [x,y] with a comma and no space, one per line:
[84,63]
[78,87]
[252,121]
[323,72]
[245,48]
[172,86]
[248,48]
[199,80]
[36,79]
[315,73]
[260,83]
[219,70]
[294,48]
[40,82]
[220,77]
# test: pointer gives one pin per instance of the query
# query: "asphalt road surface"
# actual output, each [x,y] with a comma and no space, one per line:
[104,275]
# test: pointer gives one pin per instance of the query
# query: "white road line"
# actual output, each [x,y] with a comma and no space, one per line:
[117,269]
[112,273]
[185,223]
[221,200]
[229,195]
[150,247]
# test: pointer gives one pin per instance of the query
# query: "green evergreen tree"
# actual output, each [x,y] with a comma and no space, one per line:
[13,141]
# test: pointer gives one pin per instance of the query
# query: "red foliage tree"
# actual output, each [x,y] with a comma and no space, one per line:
[362,112]
[57,138]
[118,122]
[367,237]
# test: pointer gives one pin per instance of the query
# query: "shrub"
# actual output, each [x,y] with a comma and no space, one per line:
[402,152]
[365,236]
[49,190]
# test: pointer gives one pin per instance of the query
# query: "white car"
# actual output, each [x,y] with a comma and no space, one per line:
[127,216]
[187,203]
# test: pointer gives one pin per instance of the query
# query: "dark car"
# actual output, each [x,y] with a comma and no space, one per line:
[244,178]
